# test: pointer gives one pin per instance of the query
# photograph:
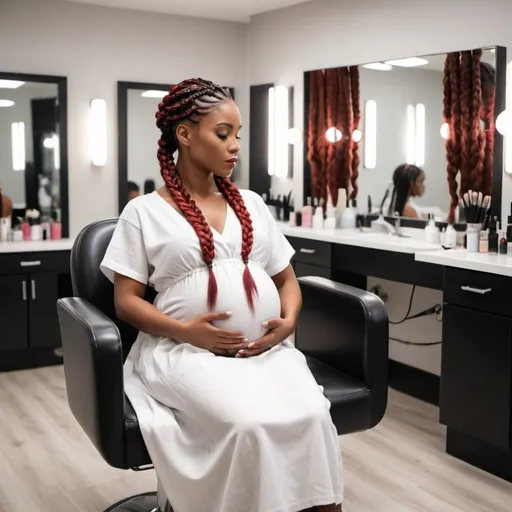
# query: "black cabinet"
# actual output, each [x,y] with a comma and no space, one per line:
[476,380]
[13,313]
[312,257]
[476,369]
[30,284]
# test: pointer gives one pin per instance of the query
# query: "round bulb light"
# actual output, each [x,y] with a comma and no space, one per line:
[504,123]
[445,131]
[333,135]
[357,135]
[294,136]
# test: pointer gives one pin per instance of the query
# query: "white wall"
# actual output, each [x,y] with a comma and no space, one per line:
[330,33]
[95,47]
[393,91]
[13,182]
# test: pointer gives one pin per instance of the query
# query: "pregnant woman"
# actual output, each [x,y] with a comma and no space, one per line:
[231,415]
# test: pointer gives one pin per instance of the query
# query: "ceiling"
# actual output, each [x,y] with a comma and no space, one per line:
[229,10]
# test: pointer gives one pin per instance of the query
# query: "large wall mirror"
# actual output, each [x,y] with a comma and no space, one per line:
[33,146]
[139,172]
[418,130]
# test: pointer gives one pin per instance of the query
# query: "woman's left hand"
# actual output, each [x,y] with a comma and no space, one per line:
[278,330]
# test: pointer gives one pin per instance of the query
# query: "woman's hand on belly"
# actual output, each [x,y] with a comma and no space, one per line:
[278,330]
[201,333]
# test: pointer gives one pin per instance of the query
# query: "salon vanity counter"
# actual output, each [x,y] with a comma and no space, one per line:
[33,276]
[41,246]
[500,264]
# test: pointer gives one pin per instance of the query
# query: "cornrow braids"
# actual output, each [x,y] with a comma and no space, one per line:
[189,100]
[356,110]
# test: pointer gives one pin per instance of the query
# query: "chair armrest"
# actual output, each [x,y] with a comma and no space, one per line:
[93,368]
[347,329]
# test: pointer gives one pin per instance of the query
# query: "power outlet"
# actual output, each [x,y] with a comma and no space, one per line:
[380,292]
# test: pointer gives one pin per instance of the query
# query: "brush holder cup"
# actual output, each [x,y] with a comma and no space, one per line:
[473,237]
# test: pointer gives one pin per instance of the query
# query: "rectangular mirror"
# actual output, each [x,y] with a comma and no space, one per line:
[394,115]
[139,171]
[33,146]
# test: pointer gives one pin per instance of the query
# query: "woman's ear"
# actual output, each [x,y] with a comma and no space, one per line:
[183,135]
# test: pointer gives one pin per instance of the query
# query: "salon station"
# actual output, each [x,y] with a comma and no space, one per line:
[385,166]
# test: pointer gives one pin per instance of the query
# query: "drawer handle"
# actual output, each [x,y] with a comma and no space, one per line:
[35,263]
[308,251]
[480,291]
[24,290]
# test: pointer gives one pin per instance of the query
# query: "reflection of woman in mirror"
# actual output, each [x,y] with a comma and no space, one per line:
[408,182]
[133,190]
[149,186]
[5,204]
[213,360]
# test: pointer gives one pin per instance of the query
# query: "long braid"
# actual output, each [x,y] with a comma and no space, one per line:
[465,104]
[190,100]
[332,111]
[356,111]
[477,134]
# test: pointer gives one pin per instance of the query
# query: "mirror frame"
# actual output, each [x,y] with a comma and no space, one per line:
[498,160]
[122,132]
[62,96]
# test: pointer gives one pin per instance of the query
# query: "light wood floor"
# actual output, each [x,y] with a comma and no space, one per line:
[48,464]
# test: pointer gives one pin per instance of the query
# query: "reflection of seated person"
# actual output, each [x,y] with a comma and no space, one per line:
[5,205]
[149,186]
[408,182]
[133,190]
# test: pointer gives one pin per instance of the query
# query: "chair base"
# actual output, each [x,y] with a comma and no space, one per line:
[146,502]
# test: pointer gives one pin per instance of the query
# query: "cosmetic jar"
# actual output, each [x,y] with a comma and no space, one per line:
[473,237]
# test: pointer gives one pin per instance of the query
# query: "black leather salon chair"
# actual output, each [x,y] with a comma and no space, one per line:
[343,332]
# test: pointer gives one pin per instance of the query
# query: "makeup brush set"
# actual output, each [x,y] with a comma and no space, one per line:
[475,206]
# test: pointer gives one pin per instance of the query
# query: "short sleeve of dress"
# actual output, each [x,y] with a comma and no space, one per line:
[280,249]
[126,253]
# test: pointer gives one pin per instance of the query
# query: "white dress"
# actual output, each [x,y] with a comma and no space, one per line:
[224,434]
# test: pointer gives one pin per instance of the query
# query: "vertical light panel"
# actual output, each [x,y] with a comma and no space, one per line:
[410,135]
[278,119]
[98,132]
[370,134]
[18,146]
[420,135]
[271,131]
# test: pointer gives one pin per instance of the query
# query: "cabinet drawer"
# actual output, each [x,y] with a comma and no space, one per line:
[311,251]
[25,262]
[305,270]
[478,290]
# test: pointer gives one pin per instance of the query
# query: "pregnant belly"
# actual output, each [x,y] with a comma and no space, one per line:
[187,298]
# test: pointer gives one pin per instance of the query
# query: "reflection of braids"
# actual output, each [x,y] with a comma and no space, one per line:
[477,136]
[344,149]
[488,78]
[489,147]
[451,112]
[356,110]
[465,104]
[321,140]
[190,100]
[317,177]
[332,96]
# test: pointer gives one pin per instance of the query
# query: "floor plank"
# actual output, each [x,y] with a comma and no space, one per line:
[49,465]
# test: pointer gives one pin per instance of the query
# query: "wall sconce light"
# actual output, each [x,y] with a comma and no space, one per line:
[278,127]
[98,132]
[333,135]
[445,131]
[357,135]
[370,134]
[415,136]
[53,142]
[18,146]
[294,136]
[504,127]
[154,94]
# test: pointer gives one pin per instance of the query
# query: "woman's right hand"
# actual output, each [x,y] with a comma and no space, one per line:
[200,332]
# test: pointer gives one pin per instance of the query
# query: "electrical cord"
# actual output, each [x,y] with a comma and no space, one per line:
[437,310]
[406,317]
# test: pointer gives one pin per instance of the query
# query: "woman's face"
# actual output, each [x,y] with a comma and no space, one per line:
[213,141]
[418,187]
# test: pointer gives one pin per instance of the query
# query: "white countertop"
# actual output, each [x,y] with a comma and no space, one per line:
[500,264]
[369,240]
[28,246]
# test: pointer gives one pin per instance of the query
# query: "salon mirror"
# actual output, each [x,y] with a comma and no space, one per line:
[368,124]
[139,171]
[33,146]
